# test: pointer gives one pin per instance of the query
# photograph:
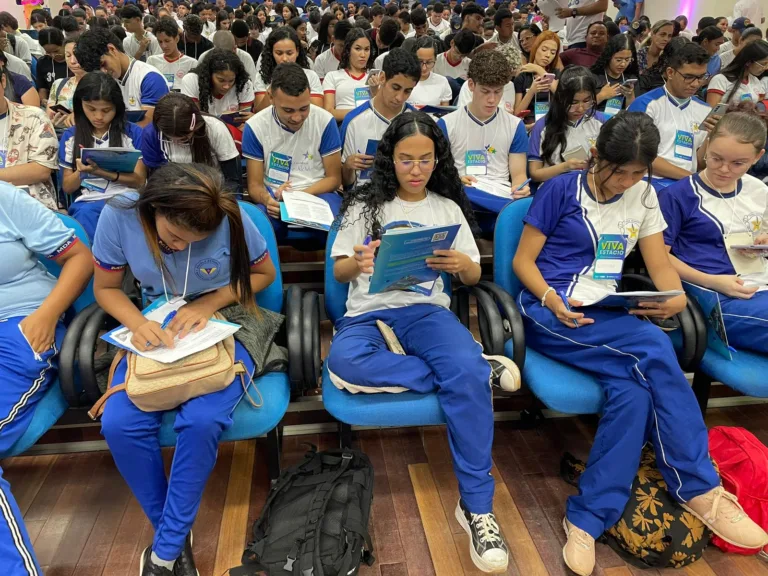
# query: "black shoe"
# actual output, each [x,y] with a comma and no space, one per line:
[486,547]
[505,375]
[185,564]
[149,568]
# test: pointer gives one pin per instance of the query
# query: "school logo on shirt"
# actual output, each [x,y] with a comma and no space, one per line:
[753,221]
[490,149]
[308,156]
[592,142]
[208,269]
[630,228]
[131,101]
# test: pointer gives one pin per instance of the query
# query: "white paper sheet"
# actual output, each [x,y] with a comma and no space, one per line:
[548,7]
[493,187]
[303,207]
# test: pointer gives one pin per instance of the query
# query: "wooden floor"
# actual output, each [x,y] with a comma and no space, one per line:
[84,522]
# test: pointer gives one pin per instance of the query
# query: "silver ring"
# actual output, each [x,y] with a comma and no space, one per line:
[148,344]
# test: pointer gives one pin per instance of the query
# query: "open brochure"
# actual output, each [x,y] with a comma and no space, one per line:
[214,332]
[492,187]
[401,260]
[305,210]
[709,302]
[631,299]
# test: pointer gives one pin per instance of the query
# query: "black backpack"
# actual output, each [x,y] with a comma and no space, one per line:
[315,519]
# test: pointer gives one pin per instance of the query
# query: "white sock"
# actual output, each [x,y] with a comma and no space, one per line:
[160,562]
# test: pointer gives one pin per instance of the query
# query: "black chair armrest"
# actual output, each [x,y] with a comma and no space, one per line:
[460,306]
[700,322]
[690,354]
[293,328]
[68,355]
[98,321]
[310,339]
[512,322]
[488,320]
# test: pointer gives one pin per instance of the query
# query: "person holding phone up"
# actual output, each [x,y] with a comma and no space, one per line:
[59,108]
[538,79]
[616,75]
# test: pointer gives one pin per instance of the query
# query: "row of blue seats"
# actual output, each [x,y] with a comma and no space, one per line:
[557,386]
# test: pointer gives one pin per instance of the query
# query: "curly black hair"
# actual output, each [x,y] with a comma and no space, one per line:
[218,60]
[268,63]
[382,188]
[617,44]
[353,36]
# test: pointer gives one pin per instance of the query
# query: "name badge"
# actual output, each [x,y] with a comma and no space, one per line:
[746,97]
[614,106]
[476,162]
[169,79]
[684,145]
[278,168]
[609,259]
[362,95]
[540,110]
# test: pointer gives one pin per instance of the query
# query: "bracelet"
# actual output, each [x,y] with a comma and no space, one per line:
[117,177]
[544,298]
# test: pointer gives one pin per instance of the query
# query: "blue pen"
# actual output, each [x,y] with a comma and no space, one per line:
[168,319]
[564,298]
[523,185]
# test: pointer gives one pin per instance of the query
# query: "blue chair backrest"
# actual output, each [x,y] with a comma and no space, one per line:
[506,238]
[272,296]
[86,298]
[336,292]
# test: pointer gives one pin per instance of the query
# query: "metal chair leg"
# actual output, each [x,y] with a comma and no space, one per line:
[274,449]
[702,385]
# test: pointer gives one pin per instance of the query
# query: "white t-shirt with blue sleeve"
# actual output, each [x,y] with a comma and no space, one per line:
[299,154]
[27,229]
[349,92]
[699,217]
[565,210]
[131,139]
[583,133]
[142,85]
[120,242]
[497,137]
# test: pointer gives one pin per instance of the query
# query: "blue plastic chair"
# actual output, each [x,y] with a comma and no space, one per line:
[559,386]
[53,404]
[275,387]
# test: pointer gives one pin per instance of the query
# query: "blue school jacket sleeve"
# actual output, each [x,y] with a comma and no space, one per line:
[534,146]
[153,87]
[36,226]
[252,148]
[549,202]
[257,246]
[519,143]
[152,155]
[671,203]
[443,129]
[330,143]
[107,243]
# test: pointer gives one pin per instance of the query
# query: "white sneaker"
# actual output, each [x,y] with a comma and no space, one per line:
[504,373]
[486,544]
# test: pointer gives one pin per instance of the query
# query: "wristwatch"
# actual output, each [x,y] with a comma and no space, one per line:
[574,12]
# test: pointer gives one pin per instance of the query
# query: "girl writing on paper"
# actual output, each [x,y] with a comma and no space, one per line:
[99,112]
[583,218]
[184,236]
[720,207]
[414,184]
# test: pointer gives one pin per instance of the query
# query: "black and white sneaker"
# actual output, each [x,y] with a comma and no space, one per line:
[149,568]
[505,375]
[486,547]
[185,564]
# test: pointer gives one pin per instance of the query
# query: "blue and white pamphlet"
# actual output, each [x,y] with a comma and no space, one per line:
[631,300]
[214,332]
[709,302]
[302,209]
[112,159]
[436,110]
[401,260]
[370,150]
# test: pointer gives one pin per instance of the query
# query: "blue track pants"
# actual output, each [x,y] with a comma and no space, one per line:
[646,398]
[443,357]
[132,436]
[746,322]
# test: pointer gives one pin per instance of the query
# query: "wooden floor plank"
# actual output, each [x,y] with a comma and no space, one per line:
[64,466]
[751,565]
[33,528]
[699,568]
[32,472]
[445,558]
[394,569]
[127,542]
[460,542]
[721,563]
[234,524]
[617,571]
[440,461]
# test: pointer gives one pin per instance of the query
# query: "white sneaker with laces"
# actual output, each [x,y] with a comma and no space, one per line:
[486,544]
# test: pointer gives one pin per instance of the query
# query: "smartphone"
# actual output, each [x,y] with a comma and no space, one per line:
[629,83]
[523,113]
[549,78]
[718,110]
[61,109]
[578,153]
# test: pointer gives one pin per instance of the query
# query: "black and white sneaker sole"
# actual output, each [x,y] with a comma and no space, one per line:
[141,562]
[476,559]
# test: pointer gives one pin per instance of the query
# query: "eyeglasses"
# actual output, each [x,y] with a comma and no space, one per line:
[623,60]
[584,105]
[406,166]
[427,64]
[735,167]
[692,79]
[761,66]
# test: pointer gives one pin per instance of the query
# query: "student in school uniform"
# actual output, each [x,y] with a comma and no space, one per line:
[220,86]
[292,145]
[436,22]
[369,121]
[614,68]
[32,303]
[415,184]
[488,145]
[347,88]
[138,44]
[718,207]
[330,60]
[534,85]
[561,141]
[679,115]
[283,46]
[561,266]
[224,40]
[181,133]
[184,224]
[99,113]
[433,89]
[172,63]
[142,85]
[741,79]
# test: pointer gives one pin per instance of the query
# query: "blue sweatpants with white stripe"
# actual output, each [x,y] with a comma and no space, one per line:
[441,356]
[646,398]
[24,379]
[746,322]
[132,436]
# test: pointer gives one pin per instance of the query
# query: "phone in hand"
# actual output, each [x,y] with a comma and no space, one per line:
[629,84]
[61,109]
[549,78]
[523,113]
[718,110]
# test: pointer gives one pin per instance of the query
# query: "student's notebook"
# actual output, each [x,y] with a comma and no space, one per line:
[112,159]
[401,260]
[492,187]
[214,332]
[437,111]
[370,150]
[631,299]
[302,209]
[709,302]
